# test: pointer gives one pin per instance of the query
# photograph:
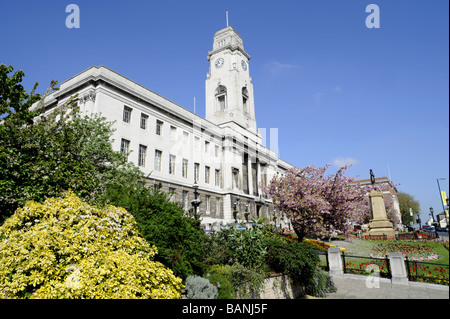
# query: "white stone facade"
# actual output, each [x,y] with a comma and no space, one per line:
[223,152]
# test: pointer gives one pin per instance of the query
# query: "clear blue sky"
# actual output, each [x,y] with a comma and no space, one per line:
[337,91]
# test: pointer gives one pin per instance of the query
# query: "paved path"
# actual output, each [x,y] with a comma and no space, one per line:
[355,287]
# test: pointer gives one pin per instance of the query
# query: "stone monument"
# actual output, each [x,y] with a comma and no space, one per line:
[379,224]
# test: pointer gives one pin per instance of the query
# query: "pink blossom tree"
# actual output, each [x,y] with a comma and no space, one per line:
[315,202]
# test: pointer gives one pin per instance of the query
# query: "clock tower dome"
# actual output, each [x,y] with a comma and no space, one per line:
[229,88]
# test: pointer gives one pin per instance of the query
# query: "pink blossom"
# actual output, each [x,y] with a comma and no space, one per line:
[317,203]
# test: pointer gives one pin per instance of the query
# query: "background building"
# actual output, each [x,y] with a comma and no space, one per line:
[222,153]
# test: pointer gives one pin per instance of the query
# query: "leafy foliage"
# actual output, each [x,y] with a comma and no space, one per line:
[314,202]
[237,281]
[179,240]
[219,275]
[299,261]
[200,288]
[15,102]
[407,201]
[42,156]
[65,248]
[231,245]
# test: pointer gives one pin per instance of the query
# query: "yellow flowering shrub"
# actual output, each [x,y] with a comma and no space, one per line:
[65,248]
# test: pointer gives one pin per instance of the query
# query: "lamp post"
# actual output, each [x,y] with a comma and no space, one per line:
[195,203]
[431,214]
[235,211]
[432,217]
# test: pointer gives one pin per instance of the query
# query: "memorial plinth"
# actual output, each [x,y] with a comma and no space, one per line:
[380,224]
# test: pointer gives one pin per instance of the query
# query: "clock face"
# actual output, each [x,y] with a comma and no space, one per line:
[244,65]
[219,62]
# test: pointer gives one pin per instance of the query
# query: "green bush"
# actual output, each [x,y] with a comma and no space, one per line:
[200,288]
[231,245]
[295,259]
[322,284]
[219,277]
[245,282]
[179,240]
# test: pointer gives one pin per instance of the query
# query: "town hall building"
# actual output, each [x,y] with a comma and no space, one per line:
[222,155]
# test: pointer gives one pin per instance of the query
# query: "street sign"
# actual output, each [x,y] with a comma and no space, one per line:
[444,197]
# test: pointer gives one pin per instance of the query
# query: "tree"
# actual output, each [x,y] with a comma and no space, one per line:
[15,102]
[407,201]
[314,202]
[43,155]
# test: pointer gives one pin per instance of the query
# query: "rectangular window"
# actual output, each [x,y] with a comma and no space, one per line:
[196,171]
[158,155]
[184,200]
[125,147]
[235,173]
[217,177]
[144,121]
[172,164]
[244,102]
[206,146]
[218,210]
[142,155]
[208,203]
[172,194]
[216,150]
[159,125]
[221,100]
[207,174]
[127,114]
[173,133]
[184,171]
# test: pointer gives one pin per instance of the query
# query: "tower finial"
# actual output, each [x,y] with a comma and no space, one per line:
[227,18]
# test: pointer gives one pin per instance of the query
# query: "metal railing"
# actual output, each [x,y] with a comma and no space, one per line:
[427,272]
[380,265]
[325,266]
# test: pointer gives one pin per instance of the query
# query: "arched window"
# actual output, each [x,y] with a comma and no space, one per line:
[221,97]
[244,98]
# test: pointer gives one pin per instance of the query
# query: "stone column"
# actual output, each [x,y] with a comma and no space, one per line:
[398,269]
[335,261]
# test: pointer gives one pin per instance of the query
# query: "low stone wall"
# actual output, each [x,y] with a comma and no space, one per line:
[280,287]
[276,287]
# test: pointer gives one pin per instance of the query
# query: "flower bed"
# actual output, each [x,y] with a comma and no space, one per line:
[378,266]
[430,273]
[319,245]
[414,251]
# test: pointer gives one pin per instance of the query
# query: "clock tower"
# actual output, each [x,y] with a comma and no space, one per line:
[229,88]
